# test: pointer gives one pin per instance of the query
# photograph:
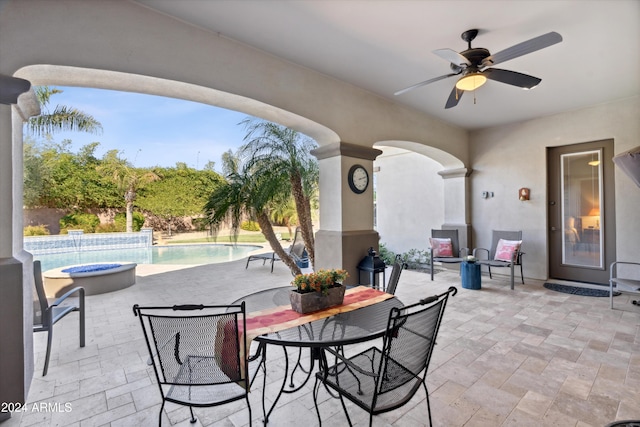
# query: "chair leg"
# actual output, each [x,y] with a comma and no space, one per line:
[431,268]
[316,389]
[428,403]
[82,322]
[46,359]
[512,274]
[346,413]
[521,274]
[160,416]
[249,407]
[193,417]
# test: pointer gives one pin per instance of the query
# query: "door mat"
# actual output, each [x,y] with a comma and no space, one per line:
[577,290]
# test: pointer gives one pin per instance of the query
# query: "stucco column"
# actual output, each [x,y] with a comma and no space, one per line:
[16,268]
[457,212]
[346,218]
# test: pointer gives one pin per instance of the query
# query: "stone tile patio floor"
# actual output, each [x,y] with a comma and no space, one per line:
[529,357]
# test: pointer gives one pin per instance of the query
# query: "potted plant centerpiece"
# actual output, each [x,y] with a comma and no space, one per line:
[317,291]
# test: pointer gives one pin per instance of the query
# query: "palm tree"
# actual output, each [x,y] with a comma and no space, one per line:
[248,193]
[287,154]
[62,118]
[283,212]
[127,178]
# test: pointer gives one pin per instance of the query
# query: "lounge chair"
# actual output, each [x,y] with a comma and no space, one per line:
[296,250]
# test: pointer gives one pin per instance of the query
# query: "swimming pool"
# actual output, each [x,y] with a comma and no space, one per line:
[173,254]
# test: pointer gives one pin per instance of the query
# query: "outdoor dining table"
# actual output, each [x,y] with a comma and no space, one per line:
[335,330]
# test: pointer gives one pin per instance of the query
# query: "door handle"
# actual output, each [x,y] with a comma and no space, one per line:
[553,229]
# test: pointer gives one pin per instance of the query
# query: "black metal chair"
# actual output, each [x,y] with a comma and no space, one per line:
[381,380]
[394,277]
[198,354]
[46,315]
[458,252]
[490,261]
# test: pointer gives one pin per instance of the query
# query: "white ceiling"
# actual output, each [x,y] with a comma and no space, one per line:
[386,45]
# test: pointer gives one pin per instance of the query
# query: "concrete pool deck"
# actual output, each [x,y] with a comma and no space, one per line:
[528,357]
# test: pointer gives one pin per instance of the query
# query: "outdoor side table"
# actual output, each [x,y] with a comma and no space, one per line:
[471,277]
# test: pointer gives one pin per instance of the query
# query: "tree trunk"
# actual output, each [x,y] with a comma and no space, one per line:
[129,198]
[129,216]
[304,217]
[270,235]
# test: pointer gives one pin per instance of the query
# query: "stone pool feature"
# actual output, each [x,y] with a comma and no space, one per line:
[96,278]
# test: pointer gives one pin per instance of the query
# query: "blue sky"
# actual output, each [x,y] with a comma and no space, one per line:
[153,130]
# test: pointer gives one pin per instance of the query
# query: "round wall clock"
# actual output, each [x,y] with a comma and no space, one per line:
[358,179]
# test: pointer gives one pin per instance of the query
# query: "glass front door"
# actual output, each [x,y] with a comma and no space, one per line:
[581,211]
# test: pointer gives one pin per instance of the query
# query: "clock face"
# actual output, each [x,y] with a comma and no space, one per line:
[358,179]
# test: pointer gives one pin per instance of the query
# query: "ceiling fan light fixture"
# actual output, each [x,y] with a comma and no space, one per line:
[471,81]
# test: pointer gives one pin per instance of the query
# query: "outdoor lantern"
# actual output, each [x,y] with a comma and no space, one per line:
[373,265]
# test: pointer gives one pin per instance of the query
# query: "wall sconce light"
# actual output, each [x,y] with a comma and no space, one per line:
[524,194]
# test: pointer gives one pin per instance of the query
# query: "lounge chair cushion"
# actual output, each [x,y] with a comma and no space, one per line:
[506,248]
[442,248]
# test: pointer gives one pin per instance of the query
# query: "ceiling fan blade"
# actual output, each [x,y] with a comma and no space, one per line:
[426,82]
[523,48]
[524,81]
[454,98]
[453,57]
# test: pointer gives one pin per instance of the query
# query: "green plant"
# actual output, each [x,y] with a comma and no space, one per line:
[109,228]
[386,255]
[415,258]
[36,230]
[250,226]
[79,221]
[320,281]
[121,221]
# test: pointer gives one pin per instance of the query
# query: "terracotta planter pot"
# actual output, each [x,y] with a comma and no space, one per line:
[314,301]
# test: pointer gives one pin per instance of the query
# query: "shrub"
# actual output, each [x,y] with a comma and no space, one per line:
[386,255]
[79,221]
[108,228]
[36,230]
[414,258]
[120,221]
[200,224]
[250,226]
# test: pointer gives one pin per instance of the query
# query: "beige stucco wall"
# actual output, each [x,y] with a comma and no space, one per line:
[507,158]
[409,194]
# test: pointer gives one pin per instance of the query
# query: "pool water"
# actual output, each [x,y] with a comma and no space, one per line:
[173,254]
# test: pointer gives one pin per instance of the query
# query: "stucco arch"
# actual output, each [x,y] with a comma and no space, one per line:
[408,177]
[447,160]
[61,75]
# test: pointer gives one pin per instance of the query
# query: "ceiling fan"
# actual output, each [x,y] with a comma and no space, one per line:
[473,64]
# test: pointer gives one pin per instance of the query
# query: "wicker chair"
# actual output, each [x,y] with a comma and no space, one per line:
[381,380]
[198,354]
